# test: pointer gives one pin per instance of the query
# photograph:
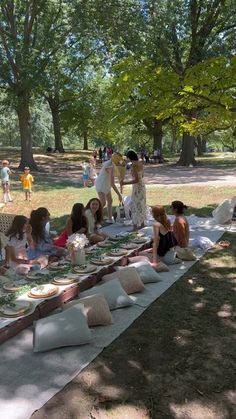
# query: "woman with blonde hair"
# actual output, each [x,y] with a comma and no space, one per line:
[164,241]
[103,184]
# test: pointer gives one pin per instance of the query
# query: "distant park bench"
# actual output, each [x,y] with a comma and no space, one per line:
[5,224]
[6,221]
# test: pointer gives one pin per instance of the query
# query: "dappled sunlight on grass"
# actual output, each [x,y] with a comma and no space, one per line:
[176,360]
[197,410]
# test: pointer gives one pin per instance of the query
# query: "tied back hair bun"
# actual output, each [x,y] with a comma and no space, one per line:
[179,206]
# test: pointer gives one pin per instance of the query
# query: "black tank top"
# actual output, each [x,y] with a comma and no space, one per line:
[167,241]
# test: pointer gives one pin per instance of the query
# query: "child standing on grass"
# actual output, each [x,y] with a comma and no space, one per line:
[92,170]
[5,179]
[27,181]
[85,176]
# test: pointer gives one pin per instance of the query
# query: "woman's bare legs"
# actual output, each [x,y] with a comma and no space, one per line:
[106,199]
[102,198]
[109,205]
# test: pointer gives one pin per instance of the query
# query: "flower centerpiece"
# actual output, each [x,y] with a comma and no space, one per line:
[75,245]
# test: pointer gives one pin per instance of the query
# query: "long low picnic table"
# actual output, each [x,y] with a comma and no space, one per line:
[69,292]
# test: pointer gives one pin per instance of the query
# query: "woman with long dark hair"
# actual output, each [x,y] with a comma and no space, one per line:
[19,236]
[76,223]
[93,213]
[138,203]
[164,241]
[19,242]
[41,243]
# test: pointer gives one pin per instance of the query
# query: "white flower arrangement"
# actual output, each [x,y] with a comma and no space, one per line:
[76,241]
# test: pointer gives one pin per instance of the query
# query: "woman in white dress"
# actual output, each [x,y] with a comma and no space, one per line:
[138,201]
[103,184]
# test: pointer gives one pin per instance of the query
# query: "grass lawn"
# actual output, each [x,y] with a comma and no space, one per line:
[59,198]
[176,361]
[58,186]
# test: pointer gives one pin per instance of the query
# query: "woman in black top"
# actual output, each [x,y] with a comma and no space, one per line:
[164,241]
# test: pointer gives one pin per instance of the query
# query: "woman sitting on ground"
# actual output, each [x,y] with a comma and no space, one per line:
[19,241]
[76,223]
[93,213]
[41,241]
[180,226]
[164,241]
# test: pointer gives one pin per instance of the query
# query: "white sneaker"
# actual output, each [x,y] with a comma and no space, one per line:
[111,221]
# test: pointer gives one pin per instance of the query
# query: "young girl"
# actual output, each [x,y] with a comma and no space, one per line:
[93,212]
[5,179]
[27,182]
[92,170]
[164,241]
[19,241]
[180,226]
[41,242]
[103,184]
[76,223]
[85,175]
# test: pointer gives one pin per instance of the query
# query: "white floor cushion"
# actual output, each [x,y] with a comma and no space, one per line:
[129,279]
[146,272]
[96,309]
[113,292]
[68,328]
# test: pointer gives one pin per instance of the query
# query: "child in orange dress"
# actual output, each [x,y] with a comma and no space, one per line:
[27,181]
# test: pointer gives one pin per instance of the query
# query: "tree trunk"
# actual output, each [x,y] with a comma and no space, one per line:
[157,135]
[199,145]
[174,139]
[187,153]
[85,136]
[204,144]
[54,106]
[23,113]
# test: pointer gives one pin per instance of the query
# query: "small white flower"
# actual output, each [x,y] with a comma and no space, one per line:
[76,241]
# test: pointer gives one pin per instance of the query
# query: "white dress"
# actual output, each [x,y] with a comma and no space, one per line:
[138,200]
[91,221]
[103,181]
[20,248]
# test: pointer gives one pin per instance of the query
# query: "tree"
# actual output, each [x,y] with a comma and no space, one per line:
[31,32]
[200,101]
[179,35]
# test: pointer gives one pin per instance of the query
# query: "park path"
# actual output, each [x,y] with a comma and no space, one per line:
[160,174]
[170,175]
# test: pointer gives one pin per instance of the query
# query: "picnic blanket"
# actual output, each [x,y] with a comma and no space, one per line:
[28,380]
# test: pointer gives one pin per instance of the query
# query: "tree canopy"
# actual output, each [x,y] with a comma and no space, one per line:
[105,71]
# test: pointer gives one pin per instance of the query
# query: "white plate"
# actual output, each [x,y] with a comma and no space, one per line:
[63,280]
[102,261]
[19,308]
[11,286]
[118,252]
[103,244]
[42,290]
[35,275]
[138,240]
[84,269]
[129,246]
